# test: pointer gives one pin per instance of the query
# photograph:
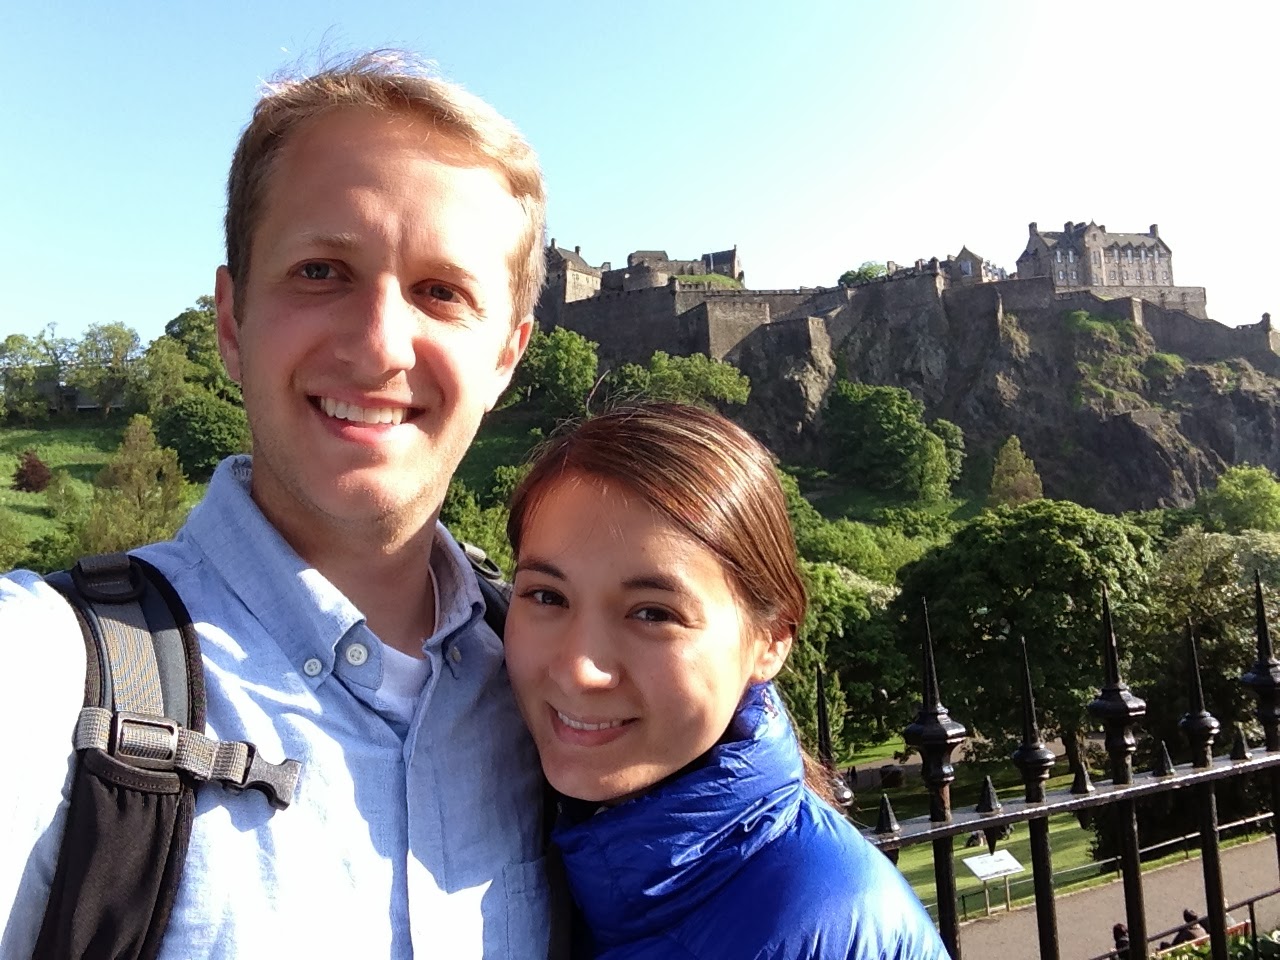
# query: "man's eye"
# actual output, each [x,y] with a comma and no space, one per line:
[317,271]
[441,292]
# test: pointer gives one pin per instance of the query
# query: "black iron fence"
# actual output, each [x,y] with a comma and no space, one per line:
[936,736]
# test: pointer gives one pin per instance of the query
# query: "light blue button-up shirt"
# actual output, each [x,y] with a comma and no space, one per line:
[423,846]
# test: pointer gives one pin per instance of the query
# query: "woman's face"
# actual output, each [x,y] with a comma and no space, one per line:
[627,647]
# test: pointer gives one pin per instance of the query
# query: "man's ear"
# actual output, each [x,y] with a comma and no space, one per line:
[509,357]
[224,297]
[771,652]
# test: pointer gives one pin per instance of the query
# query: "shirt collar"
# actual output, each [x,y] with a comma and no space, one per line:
[305,613]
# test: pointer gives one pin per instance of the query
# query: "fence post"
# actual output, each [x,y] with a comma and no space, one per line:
[1201,727]
[936,736]
[1035,760]
[1263,679]
[1118,708]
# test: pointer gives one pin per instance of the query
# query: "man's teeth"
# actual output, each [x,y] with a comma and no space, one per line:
[349,411]
[579,725]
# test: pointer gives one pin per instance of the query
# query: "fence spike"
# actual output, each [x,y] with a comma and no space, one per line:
[1239,745]
[935,735]
[887,824]
[1200,726]
[1163,764]
[1115,706]
[1263,678]
[1081,784]
[825,753]
[1032,757]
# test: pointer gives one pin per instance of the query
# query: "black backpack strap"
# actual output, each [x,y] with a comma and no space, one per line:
[141,752]
[494,589]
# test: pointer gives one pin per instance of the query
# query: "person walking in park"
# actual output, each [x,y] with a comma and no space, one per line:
[384,253]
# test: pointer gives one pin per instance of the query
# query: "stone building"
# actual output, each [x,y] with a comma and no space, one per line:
[1084,256]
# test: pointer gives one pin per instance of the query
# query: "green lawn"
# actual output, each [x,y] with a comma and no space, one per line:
[81,447]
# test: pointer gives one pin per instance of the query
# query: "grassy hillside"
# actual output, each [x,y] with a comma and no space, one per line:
[81,447]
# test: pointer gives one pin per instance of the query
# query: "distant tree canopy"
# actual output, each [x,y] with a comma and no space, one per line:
[557,373]
[868,271]
[1014,479]
[196,329]
[1034,571]
[106,357]
[202,429]
[878,439]
[692,379]
[1245,498]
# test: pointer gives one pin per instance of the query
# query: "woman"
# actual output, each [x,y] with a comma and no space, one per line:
[656,596]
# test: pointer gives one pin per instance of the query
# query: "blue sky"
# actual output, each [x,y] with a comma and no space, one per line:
[813,135]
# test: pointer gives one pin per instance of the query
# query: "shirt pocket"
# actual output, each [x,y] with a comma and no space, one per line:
[529,914]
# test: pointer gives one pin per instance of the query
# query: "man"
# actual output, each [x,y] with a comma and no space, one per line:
[383,257]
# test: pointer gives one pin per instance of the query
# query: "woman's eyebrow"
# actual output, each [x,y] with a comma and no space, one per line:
[545,567]
[655,581]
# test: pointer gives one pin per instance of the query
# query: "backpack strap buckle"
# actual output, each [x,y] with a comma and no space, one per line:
[148,742]
[277,781]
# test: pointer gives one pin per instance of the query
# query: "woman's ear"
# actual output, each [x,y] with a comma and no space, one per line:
[771,652]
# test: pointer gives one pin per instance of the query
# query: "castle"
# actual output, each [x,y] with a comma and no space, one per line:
[657,303]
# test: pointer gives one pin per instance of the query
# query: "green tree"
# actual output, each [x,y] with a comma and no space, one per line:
[22,366]
[105,359]
[485,527]
[163,376]
[952,438]
[878,439]
[140,497]
[558,372]
[202,429]
[1014,479]
[868,271]
[196,328]
[1034,571]
[1245,498]
[693,379]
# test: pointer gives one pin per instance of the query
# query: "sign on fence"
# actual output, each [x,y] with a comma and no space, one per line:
[993,866]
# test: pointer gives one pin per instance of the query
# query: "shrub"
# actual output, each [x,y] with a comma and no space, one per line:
[32,475]
[202,429]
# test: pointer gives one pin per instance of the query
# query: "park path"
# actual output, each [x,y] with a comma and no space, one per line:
[1085,917]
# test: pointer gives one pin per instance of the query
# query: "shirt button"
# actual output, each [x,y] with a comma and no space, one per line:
[312,667]
[455,653]
[357,654]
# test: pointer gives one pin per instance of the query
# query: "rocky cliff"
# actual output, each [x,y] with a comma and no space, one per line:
[1111,419]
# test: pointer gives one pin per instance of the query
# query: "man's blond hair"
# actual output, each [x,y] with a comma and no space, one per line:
[395,83]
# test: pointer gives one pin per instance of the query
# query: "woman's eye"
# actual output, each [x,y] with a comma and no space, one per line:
[318,271]
[654,615]
[545,598]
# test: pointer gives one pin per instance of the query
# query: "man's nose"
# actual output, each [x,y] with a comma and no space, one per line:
[383,341]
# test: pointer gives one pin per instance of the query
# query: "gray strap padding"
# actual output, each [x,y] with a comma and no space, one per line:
[134,675]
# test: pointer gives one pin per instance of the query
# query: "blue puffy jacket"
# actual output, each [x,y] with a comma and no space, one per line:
[736,859]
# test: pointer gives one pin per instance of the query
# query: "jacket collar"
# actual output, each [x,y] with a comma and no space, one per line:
[639,868]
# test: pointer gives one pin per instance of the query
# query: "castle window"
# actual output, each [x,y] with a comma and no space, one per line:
[1156,253]
[1097,258]
[1071,256]
[1144,254]
[1128,255]
[1059,255]
[1166,276]
[1112,276]
[1073,276]
[1061,275]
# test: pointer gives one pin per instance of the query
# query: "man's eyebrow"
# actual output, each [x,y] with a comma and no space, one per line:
[332,241]
[545,567]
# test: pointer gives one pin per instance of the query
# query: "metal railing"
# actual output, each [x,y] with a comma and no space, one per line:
[936,736]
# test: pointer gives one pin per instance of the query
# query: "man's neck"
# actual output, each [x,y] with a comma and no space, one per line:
[381,568]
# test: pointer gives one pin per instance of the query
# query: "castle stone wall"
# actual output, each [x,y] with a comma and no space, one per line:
[1187,299]
[1207,341]
[631,326]
[729,322]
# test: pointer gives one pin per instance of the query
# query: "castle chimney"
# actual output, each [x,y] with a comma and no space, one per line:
[1155,230]
[1031,228]
[577,249]
[553,243]
[1066,227]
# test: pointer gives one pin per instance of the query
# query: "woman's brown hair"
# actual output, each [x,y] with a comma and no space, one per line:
[711,479]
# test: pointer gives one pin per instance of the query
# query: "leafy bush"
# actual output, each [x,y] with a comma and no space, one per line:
[1246,498]
[32,475]
[202,429]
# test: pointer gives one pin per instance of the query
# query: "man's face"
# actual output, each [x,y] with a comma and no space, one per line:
[375,322]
